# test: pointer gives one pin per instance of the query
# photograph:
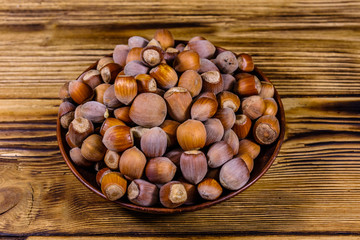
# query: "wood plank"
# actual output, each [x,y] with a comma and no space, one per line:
[312,186]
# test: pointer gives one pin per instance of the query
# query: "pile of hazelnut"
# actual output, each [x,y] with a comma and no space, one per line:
[170,124]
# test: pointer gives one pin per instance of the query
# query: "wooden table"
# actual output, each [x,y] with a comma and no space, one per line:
[309,49]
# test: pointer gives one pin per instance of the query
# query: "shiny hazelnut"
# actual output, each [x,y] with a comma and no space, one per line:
[203,108]
[164,75]
[249,147]
[160,170]
[253,107]
[145,83]
[173,194]
[122,114]
[93,149]
[125,89]
[271,106]
[247,84]
[80,92]
[113,186]
[154,142]
[245,62]
[212,82]
[108,123]
[148,110]
[191,135]
[165,38]
[133,54]
[209,189]
[242,126]
[267,90]
[234,174]
[100,91]
[218,154]
[143,193]
[214,130]
[228,99]
[193,166]
[266,129]
[178,100]
[132,163]
[192,81]
[187,60]
[232,139]
[118,138]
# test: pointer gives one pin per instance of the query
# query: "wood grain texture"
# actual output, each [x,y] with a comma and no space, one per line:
[310,50]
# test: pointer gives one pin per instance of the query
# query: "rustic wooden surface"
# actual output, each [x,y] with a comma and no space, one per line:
[309,49]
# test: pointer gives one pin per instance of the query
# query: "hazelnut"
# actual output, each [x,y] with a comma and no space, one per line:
[267,90]
[226,116]
[226,62]
[165,38]
[192,81]
[118,138]
[212,82]
[271,106]
[132,163]
[80,92]
[154,142]
[173,194]
[247,84]
[100,91]
[234,174]
[109,72]
[92,78]
[232,139]
[112,159]
[108,123]
[110,99]
[187,60]
[204,108]
[160,170]
[125,89]
[191,135]
[249,147]
[113,186]
[178,100]
[143,193]
[120,54]
[103,61]
[137,42]
[170,127]
[218,154]
[266,129]
[228,99]
[152,56]
[93,149]
[242,126]
[133,54]
[134,68]
[245,62]
[193,166]
[214,130]
[164,75]
[78,158]
[122,114]
[79,129]
[204,48]
[253,107]
[145,83]
[94,111]
[209,189]
[228,82]
[206,65]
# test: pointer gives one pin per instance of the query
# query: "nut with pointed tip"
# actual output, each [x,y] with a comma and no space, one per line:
[253,107]
[113,186]
[165,38]
[110,122]
[110,99]
[152,56]
[209,189]
[94,111]
[78,158]
[169,127]
[164,75]
[207,65]
[103,61]
[118,138]
[212,82]
[160,170]
[122,114]
[193,166]
[125,89]
[80,92]
[154,142]
[174,155]
[100,92]
[64,91]
[248,160]
[79,129]
[234,174]
[229,99]
[267,90]
[204,108]
[132,163]
[271,106]
[266,129]
[143,193]
[204,48]
[192,81]
[247,84]
[214,131]
[148,110]
[92,78]
[137,41]
[218,154]
[178,100]
[66,114]
[120,54]
[242,126]
[93,149]
[109,72]
[187,60]
[145,83]
[101,173]
[226,62]
[245,62]
[112,159]
[232,139]
[228,82]
[173,194]
[135,67]
[226,116]
[249,147]
[191,135]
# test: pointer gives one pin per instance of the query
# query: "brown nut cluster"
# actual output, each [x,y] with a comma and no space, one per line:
[170,124]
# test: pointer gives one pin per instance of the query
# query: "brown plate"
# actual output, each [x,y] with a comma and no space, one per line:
[261,164]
